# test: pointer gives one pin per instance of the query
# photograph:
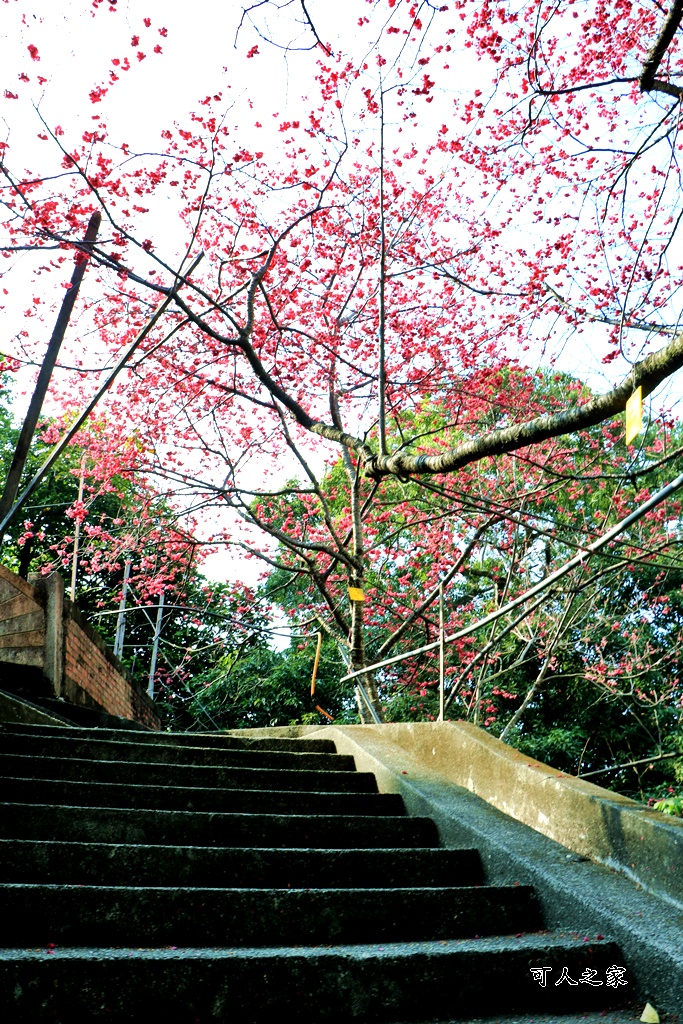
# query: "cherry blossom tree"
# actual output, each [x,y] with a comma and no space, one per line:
[379,273]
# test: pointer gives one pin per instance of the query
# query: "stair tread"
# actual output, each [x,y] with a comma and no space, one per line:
[48,860]
[127,750]
[238,916]
[332,851]
[364,818]
[195,739]
[78,793]
[107,855]
[369,892]
[541,941]
[181,827]
[190,789]
[597,1017]
[54,768]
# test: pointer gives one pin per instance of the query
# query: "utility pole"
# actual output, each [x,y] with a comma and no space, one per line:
[27,431]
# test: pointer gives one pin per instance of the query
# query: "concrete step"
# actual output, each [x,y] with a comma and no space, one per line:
[246,801]
[191,739]
[88,718]
[20,711]
[70,915]
[599,1017]
[212,878]
[364,983]
[189,828]
[115,749]
[150,774]
[94,863]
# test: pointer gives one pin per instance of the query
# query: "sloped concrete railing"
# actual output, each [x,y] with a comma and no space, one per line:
[591,821]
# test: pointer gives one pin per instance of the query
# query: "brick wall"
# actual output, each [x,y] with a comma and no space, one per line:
[93,677]
[47,649]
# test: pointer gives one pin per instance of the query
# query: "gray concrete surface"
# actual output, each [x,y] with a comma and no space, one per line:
[421,763]
[575,893]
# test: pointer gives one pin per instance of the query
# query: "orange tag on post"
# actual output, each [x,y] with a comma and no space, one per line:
[356,594]
[634,415]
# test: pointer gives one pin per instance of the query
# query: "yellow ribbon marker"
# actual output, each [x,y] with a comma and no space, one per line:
[356,594]
[634,415]
[314,676]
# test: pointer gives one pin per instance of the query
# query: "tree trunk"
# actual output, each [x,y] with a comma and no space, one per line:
[356,638]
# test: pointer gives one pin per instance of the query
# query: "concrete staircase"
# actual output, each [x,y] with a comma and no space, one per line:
[196,878]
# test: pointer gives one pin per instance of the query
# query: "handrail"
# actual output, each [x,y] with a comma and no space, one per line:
[590,549]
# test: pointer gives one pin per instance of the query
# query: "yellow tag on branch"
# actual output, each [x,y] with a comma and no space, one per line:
[356,594]
[634,415]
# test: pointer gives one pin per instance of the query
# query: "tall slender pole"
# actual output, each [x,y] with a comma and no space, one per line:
[121,620]
[382,370]
[77,534]
[441,652]
[155,645]
[28,429]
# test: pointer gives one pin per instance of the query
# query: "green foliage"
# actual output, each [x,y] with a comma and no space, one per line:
[671,805]
[259,686]
[611,694]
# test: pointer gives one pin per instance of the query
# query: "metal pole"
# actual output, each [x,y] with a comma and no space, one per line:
[155,646]
[73,430]
[77,534]
[441,652]
[48,365]
[373,714]
[121,621]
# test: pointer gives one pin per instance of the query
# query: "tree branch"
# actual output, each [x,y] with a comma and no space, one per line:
[656,53]
[434,593]
[647,374]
